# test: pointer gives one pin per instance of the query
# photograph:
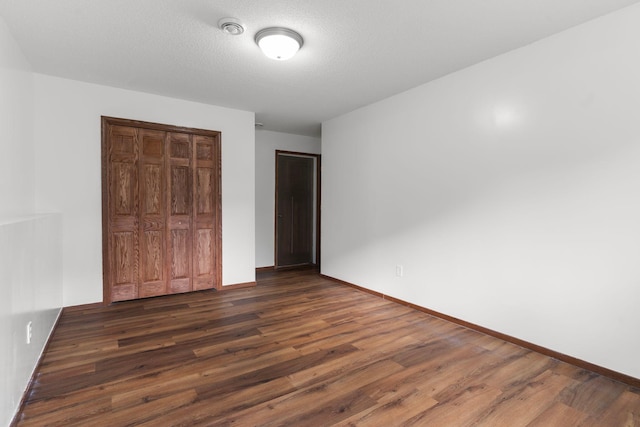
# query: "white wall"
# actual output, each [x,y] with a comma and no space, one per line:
[16,129]
[31,284]
[30,264]
[68,177]
[509,192]
[267,143]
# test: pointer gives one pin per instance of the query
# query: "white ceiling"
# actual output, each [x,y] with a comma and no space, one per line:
[355,51]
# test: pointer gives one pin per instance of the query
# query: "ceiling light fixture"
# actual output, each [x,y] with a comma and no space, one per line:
[279,43]
[231,26]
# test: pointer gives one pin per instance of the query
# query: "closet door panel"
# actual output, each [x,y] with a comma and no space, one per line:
[123,234]
[123,249]
[151,254]
[204,260]
[204,253]
[180,210]
[152,213]
[204,191]
[180,190]
[152,191]
[206,199]
[180,242]
[123,175]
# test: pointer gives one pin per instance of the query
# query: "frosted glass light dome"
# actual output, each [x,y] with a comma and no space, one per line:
[279,43]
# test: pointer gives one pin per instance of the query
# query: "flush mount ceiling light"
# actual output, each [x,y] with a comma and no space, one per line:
[279,43]
[231,26]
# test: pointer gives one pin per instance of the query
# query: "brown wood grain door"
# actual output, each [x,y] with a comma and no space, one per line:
[179,213]
[151,224]
[294,210]
[161,209]
[207,244]
[123,237]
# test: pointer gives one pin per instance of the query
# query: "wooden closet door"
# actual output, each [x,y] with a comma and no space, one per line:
[161,209]
[152,230]
[122,239]
[206,207]
[179,212]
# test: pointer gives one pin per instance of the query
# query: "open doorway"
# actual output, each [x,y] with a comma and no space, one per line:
[297,204]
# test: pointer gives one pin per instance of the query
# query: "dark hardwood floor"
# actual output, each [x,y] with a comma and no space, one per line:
[300,350]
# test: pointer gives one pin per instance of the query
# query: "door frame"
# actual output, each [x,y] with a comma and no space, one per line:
[318,186]
[106,123]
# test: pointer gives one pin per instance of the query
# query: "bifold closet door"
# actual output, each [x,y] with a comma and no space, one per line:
[161,210]
[151,227]
[179,212]
[207,242]
[122,239]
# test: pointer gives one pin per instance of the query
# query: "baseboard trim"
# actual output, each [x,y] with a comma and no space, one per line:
[238,286]
[263,269]
[303,266]
[614,375]
[14,420]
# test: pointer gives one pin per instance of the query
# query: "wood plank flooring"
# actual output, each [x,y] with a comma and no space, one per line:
[300,350]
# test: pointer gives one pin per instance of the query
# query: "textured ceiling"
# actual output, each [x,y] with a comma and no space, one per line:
[355,51]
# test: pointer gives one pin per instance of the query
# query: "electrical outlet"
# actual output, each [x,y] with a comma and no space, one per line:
[29,332]
[399,270]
